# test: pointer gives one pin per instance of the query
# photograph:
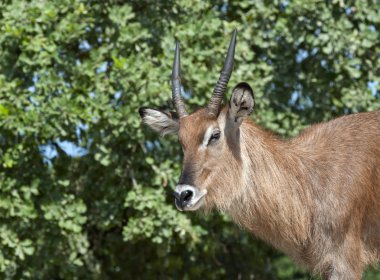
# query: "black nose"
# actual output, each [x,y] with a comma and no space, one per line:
[183,198]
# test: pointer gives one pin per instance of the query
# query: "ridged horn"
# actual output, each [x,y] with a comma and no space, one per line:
[176,85]
[221,85]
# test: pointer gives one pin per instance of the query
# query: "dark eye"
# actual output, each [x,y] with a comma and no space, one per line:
[214,137]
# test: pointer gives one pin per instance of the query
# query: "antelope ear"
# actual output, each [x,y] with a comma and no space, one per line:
[160,121]
[241,103]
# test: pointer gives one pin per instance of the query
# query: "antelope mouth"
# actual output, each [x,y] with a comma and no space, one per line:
[188,198]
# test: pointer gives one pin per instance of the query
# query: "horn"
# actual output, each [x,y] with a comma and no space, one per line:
[176,86]
[221,85]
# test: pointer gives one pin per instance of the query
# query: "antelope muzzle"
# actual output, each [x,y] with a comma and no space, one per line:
[188,198]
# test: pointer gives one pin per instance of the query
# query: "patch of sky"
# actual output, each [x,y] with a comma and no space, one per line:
[294,97]
[307,103]
[81,127]
[314,51]
[284,3]
[71,149]
[373,87]
[32,89]
[84,45]
[372,28]
[117,95]
[349,55]
[33,101]
[66,84]
[299,100]
[224,7]
[149,145]
[48,152]
[102,68]
[186,93]
[301,55]
[348,11]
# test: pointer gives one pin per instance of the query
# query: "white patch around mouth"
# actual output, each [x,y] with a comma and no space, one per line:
[196,202]
[197,199]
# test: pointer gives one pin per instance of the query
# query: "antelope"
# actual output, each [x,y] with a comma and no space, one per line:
[316,196]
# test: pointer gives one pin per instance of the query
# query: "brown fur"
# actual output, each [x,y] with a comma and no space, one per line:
[316,196]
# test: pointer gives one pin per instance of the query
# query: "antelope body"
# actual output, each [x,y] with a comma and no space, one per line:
[316,196]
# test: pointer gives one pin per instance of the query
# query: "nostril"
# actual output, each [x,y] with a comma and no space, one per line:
[177,195]
[186,196]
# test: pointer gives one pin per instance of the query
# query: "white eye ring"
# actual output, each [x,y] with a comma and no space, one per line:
[215,136]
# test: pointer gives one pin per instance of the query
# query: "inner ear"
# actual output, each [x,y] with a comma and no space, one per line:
[161,121]
[242,103]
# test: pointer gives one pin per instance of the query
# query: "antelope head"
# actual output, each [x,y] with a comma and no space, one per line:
[210,137]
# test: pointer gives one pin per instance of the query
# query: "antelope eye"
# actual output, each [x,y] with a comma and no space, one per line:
[214,137]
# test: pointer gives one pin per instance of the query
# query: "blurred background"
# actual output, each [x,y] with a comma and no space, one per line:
[85,189]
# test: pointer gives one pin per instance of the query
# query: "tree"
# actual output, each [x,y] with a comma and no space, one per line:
[85,189]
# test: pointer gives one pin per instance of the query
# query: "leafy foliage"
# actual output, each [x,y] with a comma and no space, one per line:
[85,189]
